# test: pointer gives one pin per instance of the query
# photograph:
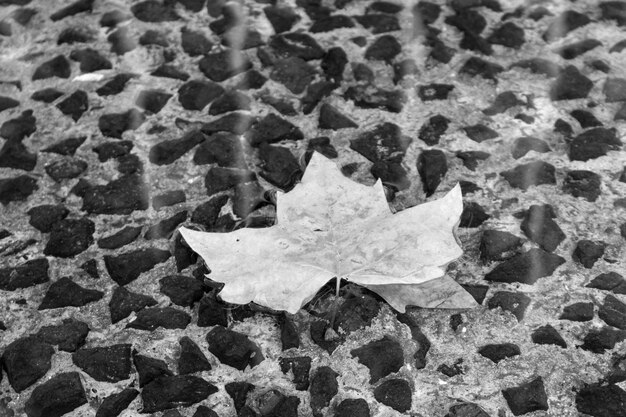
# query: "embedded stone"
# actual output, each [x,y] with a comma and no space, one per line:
[233,348]
[126,267]
[527,397]
[56,397]
[25,361]
[394,393]
[151,318]
[106,364]
[499,352]
[167,392]
[66,293]
[524,176]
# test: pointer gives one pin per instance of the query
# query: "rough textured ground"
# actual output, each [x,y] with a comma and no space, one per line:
[121,121]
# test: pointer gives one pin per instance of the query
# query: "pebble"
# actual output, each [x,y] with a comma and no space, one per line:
[533,173]
[149,368]
[168,151]
[212,312]
[170,71]
[513,302]
[614,89]
[127,267]
[68,335]
[90,60]
[548,335]
[330,23]
[7,103]
[588,252]
[46,95]
[333,64]
[219,66]
[206,213]
[114,17]
[564,23]
[196,94]
[66,147]
[475,66]
[69,237]
[602,401]
[502,103]
[471,158]
[541,66]
[279,166]
[384,142]
[576,49]
[294,73]
[248,197]
[152,100]
[593,143]
[434,91]
[25,361]
[507,34]
[72,35]
[289,337]
[361,72]
[609,281]
[405,68]
[496,245]
[233,348]
[526,267]
[238,391]
[451,370]
[106,364]
[570,84]
[467,21]
[154,12]
[66,293]
[166,227]
[65,168]
[378,22]
[19,128]
[331,118]
[121,238]
[167,392]
[182,290]
[57,396]
[426,12]
[122,41]
[90,267]
[16,188]
[272,128]
[194,43]
[352,407]
[14,154]
[499,352]
[392,174]
[27,274]
[526,398]
[598,341]
[231,100]
[384,48]
[613,312]
[394,393]
[540,228]
[323,388]
[577,312]
[74,105]
[115,124]
[480,133]
[294,44]
[431,131]
[299,367]
[282,18]
[432,167]
[168,198]
[191,359]
[382,357]
[525,144]
[478,292]
[473,215]
[151,318]
[115,85]
[75,8]
[582,183]
[466,409]
[114,404]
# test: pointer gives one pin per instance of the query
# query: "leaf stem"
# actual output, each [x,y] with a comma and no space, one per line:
[335,303]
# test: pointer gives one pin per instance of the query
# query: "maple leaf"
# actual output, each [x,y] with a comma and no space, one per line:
[329,226]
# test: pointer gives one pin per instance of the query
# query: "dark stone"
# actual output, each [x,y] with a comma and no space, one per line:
[74,105]
[129,164]
[570,84]
[565,23]
[66,293]
[149,368]
[66,147]
[392,174]
[379,22]
[581,183]
[525,144]
[480,133]
[598,341]
[115,124]
[222,148]
[66,168]
[507,34]
[182,290]
[28,274]
[496,245]
[46,95]
[473,215]
[170,71]
[191,359]
[384,7]
[331,118]
[333,64]
[432,167]
[467,21]
[498,352]
[315,93]
[15,130]
[7,103]
[203,411]
[206,214]
[394,393]
[168,198]
[120,196]
[540,228]
[602,401]
[577,312]
[425,13]
[526,398]
[153,37]
[25,360]
[231,100]
[548,335]
[152,100]
[15,155]
[361,72]
[540,66]
[352,408]
[238,391]
[382,357]
[90,267]
[220,179]
[289,337]
[279,166]
[114,86]
[322,145]
[404,68]
[588,252]
[282,18]
[384,48]
[16,188]
[78,34]
[77,7]
[466,410]
[194,43]
[59,395]
[502,103]
[168,151]
[152,318]
[70,237]
[90,60]
[471,158]
[154,11]
[126,267]
[532,173]
[614,89]
[385,142]
[212,312]
[167,392]
[478,292]
[299,367]
[115,404]
[114,17]
[106,364]
[122,41]
[417,335]
[525,118]
[330,23]
[233,349]
[121,238]
[251,80]
[613,312]
[219,66]
[451,370]
[576,49]
[235,122]
[165,228]
[272,129]
[515,303]
[610,281]
[68,335]
[593,143]
[24,15]
[294,73]
[526,267]
[477,66]
[323,388]
[585,118]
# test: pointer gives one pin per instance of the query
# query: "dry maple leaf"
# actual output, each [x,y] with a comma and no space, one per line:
[330,226]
